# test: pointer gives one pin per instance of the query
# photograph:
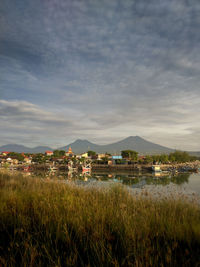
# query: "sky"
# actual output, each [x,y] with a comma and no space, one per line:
[100,70]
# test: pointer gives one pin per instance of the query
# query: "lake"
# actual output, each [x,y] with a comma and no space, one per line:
[187,182]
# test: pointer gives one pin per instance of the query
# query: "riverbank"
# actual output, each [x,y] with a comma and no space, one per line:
[180,167]
[46,223]
[193,166]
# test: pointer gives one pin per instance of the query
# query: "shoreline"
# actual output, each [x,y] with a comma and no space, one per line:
[172,167]
[187,166]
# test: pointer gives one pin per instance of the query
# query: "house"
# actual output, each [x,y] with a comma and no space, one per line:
[9,160]
[116,157]
[48,153]
[101,156]
[15,161]
[69,153]
[84,155]
[27,160]
[156,168]
[5,153]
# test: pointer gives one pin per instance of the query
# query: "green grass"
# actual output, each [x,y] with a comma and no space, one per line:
[46,223]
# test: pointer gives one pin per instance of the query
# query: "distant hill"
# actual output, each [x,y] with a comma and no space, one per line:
[133,142]
[21,148]
[81,146]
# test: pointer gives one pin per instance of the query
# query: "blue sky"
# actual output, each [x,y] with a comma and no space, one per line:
[100,70]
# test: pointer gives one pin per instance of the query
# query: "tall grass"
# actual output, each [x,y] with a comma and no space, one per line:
[46,223]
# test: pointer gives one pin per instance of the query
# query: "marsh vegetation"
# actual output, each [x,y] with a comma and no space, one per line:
[50,223]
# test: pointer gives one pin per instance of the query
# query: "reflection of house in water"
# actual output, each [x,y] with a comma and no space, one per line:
[157,174]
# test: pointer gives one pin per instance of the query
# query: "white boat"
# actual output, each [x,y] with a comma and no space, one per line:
[53,168]
[71,167]
[156,168]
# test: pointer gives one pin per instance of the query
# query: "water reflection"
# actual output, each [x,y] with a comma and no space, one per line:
[129,178]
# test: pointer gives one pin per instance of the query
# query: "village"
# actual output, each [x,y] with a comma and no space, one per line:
[128,160]
[59,158]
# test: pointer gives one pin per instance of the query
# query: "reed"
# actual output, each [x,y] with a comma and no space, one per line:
[49,223]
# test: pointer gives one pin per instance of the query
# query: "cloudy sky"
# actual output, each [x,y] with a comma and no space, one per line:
[100,70]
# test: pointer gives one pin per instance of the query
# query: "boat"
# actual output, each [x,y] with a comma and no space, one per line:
[26,168]
[197,170]
[71,167]
[86,168]
[53,168]
[156,168]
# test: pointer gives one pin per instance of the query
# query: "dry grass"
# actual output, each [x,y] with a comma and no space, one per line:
[45,223]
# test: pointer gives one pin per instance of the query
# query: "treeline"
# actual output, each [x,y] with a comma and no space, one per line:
[131,155]
[175,157]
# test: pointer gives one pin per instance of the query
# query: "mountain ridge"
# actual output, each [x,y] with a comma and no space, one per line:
[136,143]
[22,148]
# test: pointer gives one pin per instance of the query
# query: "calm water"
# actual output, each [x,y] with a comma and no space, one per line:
[181,181]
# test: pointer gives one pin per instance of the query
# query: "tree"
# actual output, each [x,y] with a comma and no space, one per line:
[164,158]
[179,156]
[104,160]
[156,158]
[58,153]
[120,161]
[129,154]
[91,153]
[17,156]
[148,159]
[39,158]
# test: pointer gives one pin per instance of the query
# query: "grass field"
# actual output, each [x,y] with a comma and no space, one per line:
[49,223]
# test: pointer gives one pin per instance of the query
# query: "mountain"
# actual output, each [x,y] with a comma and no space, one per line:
[79,146]
[132,142]
[138,144]
[21,148]
[40,149]
[14,148]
